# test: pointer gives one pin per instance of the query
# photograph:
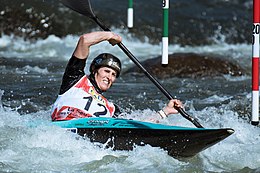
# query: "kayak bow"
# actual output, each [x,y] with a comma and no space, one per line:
[123,134]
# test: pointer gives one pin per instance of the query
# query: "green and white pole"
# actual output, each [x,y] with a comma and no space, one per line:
[130,14]
[165,32]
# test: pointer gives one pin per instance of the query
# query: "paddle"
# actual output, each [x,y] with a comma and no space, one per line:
[84,7]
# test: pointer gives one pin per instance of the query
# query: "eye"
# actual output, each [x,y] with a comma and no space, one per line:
[114,74]
[107,71]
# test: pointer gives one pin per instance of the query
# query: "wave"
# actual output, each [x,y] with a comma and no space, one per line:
[33,134]
[61,48]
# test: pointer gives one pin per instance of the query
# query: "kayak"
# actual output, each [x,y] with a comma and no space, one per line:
[125,134]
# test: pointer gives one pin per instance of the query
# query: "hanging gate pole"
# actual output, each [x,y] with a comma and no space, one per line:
[130,14]
[165,33]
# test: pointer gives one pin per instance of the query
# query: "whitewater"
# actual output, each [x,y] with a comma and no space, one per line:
[31,74]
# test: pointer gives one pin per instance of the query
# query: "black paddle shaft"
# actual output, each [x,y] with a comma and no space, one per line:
[159,86]
[135,60]
[84,7]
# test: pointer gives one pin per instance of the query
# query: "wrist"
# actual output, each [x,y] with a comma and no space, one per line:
[162,114]
[166,111]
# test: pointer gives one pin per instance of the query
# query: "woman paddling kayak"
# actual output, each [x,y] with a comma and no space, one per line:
[80,95]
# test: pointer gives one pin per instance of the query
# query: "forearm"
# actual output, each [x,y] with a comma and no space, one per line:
[162,114]
[87,40]
[170,108]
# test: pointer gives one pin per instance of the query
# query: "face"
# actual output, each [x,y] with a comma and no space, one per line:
[105,77]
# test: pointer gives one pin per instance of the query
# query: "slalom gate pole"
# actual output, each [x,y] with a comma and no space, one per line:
[255,63]
[165,42]
[130,14]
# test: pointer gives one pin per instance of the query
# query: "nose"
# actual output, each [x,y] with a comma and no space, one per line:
[109,75]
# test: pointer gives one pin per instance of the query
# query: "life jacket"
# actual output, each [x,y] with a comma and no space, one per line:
[81,101]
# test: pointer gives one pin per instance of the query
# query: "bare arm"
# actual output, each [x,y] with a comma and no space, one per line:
[75,67]
[169,108]
[89,39]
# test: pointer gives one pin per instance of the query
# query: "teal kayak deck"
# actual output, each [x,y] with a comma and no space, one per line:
[117,123]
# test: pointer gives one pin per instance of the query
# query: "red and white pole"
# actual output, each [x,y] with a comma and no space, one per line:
[255,63]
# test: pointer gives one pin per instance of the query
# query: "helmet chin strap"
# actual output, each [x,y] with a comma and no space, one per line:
[94,83]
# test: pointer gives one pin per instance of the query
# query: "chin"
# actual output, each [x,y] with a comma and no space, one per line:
[104,88]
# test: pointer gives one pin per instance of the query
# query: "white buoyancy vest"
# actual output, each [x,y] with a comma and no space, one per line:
[80,101]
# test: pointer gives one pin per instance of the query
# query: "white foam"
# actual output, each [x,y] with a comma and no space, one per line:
[28,69]
[62,48]
[238,151]
[47,147]
[51,47]
[215,99]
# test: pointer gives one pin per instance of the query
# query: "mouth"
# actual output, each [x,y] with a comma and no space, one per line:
[105,81]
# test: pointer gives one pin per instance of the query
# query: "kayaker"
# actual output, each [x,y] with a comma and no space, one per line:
[80,95]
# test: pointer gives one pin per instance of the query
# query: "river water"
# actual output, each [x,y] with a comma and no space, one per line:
[31,69]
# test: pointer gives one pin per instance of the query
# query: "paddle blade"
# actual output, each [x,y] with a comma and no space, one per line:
[81,6]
